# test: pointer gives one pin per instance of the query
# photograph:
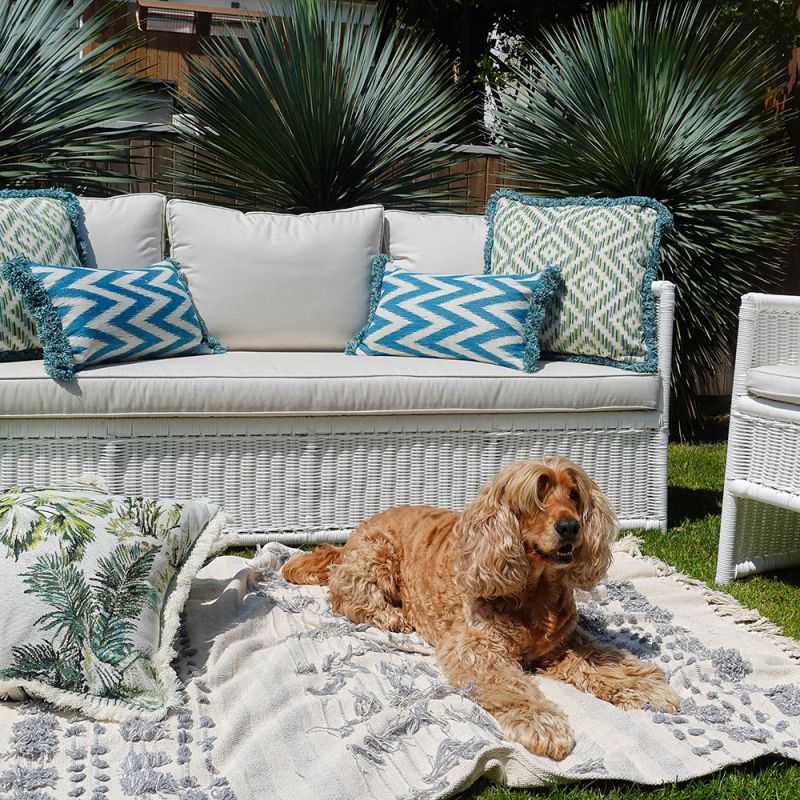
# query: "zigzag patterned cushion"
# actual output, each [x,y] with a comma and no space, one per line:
[608,250]
[89,316]
[42,225]
[491,318]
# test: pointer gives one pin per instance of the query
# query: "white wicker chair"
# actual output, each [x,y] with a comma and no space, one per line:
[761,503]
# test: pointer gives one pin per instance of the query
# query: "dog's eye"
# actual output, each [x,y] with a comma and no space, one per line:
[573,495]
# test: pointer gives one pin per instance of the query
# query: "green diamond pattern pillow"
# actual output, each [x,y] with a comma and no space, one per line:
[608,252]
[92,589]
[42,225]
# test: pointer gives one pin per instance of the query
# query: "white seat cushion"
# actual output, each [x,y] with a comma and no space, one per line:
[264,384]
[124,232]
[780,383]
[266,281]
[443,244]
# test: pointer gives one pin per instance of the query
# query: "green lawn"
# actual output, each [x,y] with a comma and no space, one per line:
[695,492]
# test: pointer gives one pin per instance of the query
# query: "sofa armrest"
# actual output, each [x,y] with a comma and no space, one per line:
[665,297]
[769,333]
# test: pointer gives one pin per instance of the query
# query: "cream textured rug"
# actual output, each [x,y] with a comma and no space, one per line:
[284,699]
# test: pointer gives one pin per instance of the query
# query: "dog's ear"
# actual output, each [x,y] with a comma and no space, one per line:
[490,555]
[600,528]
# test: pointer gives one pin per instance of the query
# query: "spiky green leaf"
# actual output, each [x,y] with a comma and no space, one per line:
[62,84]
[62,586]
[662,100]
[321,109]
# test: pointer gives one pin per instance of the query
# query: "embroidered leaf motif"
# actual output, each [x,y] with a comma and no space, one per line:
[28,517]
[91,622]
[121,589]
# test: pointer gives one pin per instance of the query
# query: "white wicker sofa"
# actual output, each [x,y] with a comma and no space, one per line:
[303,444]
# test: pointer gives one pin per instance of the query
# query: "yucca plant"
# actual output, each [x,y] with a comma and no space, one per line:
[318,109]
[665,101]
[62,82]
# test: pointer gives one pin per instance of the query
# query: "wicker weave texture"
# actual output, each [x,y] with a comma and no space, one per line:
[314,482]
[760,526]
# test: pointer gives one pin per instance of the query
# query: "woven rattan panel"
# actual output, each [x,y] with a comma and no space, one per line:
[316,476]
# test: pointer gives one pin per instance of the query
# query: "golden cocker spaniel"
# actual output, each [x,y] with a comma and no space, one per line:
[492,589]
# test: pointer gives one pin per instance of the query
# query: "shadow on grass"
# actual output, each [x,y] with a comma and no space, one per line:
[789,576]
[691,505]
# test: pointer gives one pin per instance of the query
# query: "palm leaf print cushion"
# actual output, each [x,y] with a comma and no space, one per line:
[92,589]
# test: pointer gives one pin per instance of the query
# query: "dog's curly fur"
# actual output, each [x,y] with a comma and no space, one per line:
[492,589]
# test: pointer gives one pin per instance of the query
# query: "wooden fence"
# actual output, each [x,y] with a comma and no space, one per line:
[474,179]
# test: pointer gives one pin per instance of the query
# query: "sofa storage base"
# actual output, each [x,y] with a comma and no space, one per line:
[307,479]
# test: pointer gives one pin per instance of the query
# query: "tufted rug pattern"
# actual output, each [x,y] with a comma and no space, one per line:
[284,699]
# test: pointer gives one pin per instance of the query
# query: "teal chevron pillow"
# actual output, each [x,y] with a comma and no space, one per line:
[490,318]
[608,251]
[92,590]
[43,226]
[90,316]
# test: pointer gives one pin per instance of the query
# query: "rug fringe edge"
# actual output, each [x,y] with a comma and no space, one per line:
[720,602]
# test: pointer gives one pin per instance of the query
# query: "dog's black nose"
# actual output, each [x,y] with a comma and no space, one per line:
[567,528]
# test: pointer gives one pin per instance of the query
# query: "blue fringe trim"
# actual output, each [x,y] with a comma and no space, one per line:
[58,362]
[215,345]
[378,268]
[71,205]
[551,286]
[664,224]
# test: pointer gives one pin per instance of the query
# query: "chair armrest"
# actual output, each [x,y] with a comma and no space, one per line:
[769,333]
[665,298]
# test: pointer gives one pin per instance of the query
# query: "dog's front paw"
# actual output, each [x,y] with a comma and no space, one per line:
[392,619]
[546,733]
[649,687]
[661,696]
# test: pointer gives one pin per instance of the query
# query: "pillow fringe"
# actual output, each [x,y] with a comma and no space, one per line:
[377,268]
[552,285]
[216,346]
[57,356]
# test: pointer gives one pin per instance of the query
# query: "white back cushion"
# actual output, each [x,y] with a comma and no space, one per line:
[267,281]
[124,232]
[444,244]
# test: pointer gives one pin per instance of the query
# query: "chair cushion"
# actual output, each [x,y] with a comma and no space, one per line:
[123,232]
[266,281]
[292,384]
[442,244]
[780,383]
